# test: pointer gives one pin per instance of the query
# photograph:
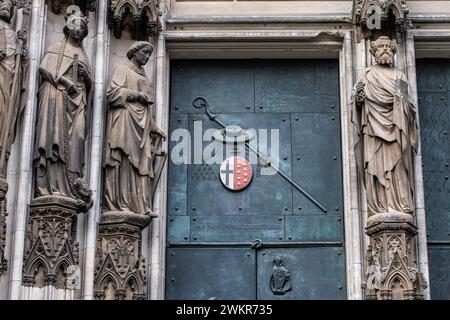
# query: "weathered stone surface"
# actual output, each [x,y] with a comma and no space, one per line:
[51,247]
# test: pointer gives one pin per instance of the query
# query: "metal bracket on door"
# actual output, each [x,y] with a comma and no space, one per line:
[201,102]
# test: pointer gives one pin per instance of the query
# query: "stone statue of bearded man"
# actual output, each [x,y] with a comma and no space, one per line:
[386,121]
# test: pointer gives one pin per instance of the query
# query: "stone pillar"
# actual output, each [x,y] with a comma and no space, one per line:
[352,217]
[422,246]
[3,214]
[26,150]
[95,159]
[157,253]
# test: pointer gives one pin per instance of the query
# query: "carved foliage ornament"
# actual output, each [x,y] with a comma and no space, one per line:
[139,17]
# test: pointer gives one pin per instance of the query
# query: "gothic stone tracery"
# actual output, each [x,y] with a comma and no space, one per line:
[139,17]
[85,5]
[380,17]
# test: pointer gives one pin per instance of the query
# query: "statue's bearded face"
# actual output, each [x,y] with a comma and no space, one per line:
[384,53]
[5,9]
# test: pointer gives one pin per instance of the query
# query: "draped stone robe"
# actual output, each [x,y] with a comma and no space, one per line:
[10,102]
[59,115]
[128,153]
[388,133]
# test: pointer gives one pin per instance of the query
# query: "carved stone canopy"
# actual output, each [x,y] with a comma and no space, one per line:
[139,17]
[24,4]
[392,16]
[85,5]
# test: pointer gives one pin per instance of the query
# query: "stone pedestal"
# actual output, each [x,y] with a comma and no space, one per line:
[392,272]
[120,272]
[51,250]
[3,214]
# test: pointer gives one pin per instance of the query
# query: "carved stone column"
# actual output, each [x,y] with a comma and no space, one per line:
[140,17]
[3,214]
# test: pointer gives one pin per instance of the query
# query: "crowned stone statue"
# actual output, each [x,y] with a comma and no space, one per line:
[62,126]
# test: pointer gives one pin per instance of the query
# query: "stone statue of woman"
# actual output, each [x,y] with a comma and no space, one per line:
[63,104]
[132,137]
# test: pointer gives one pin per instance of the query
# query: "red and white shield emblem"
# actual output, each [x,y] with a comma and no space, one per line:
[236,173]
